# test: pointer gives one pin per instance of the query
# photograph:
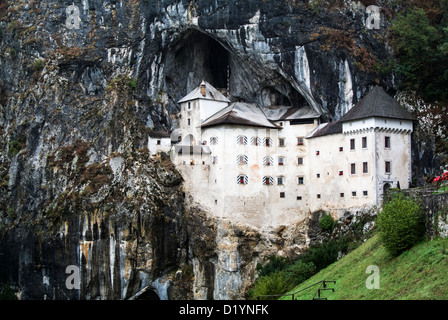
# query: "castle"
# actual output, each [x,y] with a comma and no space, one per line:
[272,166]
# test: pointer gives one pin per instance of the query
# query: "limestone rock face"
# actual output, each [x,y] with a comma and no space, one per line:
[77,184]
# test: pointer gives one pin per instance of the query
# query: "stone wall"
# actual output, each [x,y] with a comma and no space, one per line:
[436,210]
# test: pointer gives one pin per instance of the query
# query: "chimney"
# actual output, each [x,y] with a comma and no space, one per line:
[203,92]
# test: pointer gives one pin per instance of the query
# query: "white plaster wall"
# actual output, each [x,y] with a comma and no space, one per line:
[215,186]
[154,148]
[376,122]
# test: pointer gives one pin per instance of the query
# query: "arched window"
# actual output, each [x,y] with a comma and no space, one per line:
[268,181]
[242,159]
[242,140]
[242,179]
[268,161]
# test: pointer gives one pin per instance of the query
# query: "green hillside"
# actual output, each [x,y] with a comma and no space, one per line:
[419,273]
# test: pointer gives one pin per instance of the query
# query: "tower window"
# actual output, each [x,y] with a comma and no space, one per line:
[387,167]
[387,142]
[352,144]
[353,168]
[365,167]
[364,142]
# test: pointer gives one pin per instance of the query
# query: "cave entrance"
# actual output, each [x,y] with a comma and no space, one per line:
[196,57]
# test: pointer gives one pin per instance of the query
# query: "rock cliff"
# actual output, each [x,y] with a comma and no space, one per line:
[77,185]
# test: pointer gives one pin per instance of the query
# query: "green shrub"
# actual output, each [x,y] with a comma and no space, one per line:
[300,271]
[273,284]
[38,65]
[326,222]
[401,224]
[324,255]
[274,264]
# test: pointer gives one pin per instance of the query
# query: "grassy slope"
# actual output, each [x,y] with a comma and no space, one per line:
[419,273]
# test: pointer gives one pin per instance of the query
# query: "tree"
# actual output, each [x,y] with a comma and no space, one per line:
[422,51]
[401,224]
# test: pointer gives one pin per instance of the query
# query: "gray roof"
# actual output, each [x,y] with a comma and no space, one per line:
[290,113]
[326,129]
[211,94]
[240,113]
[159,134]
[377,103]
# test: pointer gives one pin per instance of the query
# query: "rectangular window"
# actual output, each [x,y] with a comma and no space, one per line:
[365,193]
[353,168]
[300,141]
[299,198]
[354,194]
[280,181]
[159,142]
[365,167]
[364,142]
[281,142]
[189,122]
[300,180]
[387,167]
[300,161]
[387,142]
[189,105]
[318,175]
[281,161]
[318,196]
[341,149]
[282,194]
[352,144]
[342,195]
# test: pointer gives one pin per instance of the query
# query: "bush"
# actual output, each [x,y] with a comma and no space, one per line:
[326,222]
[300,271]
[274,264]
[401,224]
[324,255]
[273,284]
